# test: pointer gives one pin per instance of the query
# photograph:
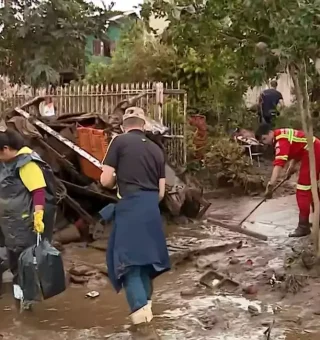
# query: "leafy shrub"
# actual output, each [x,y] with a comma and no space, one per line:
[138,57]
[228,166]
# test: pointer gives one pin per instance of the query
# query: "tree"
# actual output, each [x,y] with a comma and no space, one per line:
[209,69]
[39,39]
[264,37]
[282,34]
[139,57]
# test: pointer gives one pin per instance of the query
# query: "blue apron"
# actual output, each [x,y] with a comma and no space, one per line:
[137,237]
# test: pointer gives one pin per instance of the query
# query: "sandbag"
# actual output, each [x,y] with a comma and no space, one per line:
[50,270]
[28,276]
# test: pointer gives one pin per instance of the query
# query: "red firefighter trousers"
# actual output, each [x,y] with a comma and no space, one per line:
[303,194]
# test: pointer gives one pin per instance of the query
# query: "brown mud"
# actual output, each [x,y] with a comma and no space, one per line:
[183,307]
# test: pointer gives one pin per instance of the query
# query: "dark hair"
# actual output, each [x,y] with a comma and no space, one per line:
[263,129]
[274,83]
[11,139]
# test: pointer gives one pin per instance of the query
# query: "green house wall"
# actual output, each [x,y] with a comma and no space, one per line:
[113,33]
[89,52]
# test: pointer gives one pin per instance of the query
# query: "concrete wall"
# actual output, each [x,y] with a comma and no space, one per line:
[113,34]
[284,86]
[158,24]
[284,82]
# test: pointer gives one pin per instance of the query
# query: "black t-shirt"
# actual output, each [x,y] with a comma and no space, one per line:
[139,163]
[270,100]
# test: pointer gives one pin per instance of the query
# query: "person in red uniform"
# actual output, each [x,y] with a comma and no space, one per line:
[291,145]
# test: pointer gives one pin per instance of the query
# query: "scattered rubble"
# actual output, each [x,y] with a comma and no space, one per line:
[189,292]
[308,259]
[214,280]
[82,270]
[267,332]
[253,310]
[208,321]
[203,263]
[185,308]
[74,145]
[93,294]
[234,260]
[294,283]
[250,290]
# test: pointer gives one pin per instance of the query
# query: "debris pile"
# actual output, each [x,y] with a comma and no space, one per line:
[74,145]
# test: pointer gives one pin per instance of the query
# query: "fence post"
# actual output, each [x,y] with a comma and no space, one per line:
[159,102]
[185,129]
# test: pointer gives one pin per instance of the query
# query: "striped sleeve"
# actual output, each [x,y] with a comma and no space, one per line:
[282,149]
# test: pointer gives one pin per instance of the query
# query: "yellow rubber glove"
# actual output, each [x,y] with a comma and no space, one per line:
[38,221]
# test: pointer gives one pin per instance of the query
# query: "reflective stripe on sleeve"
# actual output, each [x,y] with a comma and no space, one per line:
[289,134]
[284,158]
[303,187]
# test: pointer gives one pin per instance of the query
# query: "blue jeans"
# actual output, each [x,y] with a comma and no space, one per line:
[138,286]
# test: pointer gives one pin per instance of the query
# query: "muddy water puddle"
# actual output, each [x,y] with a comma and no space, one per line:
[72,310]
[204,315]
[275,218]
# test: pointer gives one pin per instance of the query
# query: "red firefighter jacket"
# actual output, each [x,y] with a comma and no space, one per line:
[289,144]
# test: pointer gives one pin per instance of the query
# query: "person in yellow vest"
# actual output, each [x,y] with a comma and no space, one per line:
[27,200]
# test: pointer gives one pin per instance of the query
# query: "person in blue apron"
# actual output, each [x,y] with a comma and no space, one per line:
[137,251]
[27,201]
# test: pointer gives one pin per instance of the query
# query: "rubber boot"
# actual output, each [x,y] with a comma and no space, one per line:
[142,322]
[3,268]
[21,304]
[26,306]
[303,229]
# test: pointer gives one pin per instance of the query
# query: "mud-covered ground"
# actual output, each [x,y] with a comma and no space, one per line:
[263,172]
[185,308]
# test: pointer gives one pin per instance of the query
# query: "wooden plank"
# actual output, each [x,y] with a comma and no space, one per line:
[86,191]
[60,138]
[77,207]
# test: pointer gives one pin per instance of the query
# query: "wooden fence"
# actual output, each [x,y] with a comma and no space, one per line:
[165,103]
